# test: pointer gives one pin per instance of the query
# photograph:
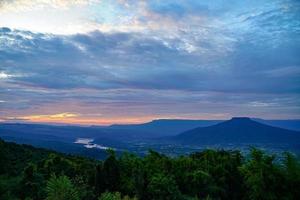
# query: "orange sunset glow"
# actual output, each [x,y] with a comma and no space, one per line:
[73,118]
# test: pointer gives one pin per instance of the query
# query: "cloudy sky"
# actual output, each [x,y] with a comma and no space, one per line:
[129,61]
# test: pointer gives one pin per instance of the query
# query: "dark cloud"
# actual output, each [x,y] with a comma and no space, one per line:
[250,66]
[111,61]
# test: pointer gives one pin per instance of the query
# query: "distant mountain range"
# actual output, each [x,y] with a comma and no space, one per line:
[176,126]
[158,134]
[164,127]
[239,131]
[291,124]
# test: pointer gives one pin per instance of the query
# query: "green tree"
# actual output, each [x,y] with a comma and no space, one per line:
[85,191]
[163,187]
[61,188]
[58,165]
[208,174]
[99,179]
[132,175]
[110,196]
[31,183]
[3,158]
[114,196]
[262,177]
[292,176]
[111,172]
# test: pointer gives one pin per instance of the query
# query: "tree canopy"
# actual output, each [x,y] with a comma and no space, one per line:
[32,173]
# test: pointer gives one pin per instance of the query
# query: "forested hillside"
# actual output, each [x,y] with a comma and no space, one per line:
[31,173]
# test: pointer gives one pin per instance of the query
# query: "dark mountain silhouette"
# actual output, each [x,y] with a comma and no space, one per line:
[238,131]
[166,127]
[68,133]
[291,124]
[154,134]
[153,129]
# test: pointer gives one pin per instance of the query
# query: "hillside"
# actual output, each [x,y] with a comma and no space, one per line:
[32,173]
[153,129]
[158,135]
[165,127]
[237,131]
[290,124]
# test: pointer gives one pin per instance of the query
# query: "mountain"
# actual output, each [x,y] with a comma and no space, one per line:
[162,135]
[239,131]
[166,127]
[69,133]
[291,124]
[169,127]
[137,137]
[62,138]
[155,128]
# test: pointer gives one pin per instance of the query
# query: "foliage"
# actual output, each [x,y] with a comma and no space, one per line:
[61,188]
[111,172]
[32,173]
[114,196]
[110,196]
[163,187]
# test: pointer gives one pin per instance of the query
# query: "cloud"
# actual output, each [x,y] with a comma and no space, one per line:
[159,59]
[20,5]
[59,118]
[3,75]
[122,61]
[99,60]
[46,117]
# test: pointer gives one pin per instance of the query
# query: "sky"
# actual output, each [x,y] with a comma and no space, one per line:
[127,61]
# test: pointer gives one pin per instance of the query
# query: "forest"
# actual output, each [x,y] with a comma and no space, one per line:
[32,173]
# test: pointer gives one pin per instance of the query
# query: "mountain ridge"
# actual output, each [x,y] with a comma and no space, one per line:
[239,130]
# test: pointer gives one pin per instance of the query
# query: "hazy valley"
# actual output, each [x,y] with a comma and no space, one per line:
[172,137]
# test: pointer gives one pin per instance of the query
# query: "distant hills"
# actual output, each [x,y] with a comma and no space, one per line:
[176,126]
[239,131]
[291,124]
[164,127]
[162,134]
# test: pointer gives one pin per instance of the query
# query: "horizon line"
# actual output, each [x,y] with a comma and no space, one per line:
[143,122]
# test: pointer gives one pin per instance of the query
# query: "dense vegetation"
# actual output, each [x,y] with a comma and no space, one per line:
[30,173]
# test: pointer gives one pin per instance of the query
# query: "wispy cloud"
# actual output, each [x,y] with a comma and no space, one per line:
[21,5]
[58,116]
[148,59]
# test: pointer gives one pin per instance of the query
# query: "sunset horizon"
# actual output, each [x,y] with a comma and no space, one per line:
[73,119]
